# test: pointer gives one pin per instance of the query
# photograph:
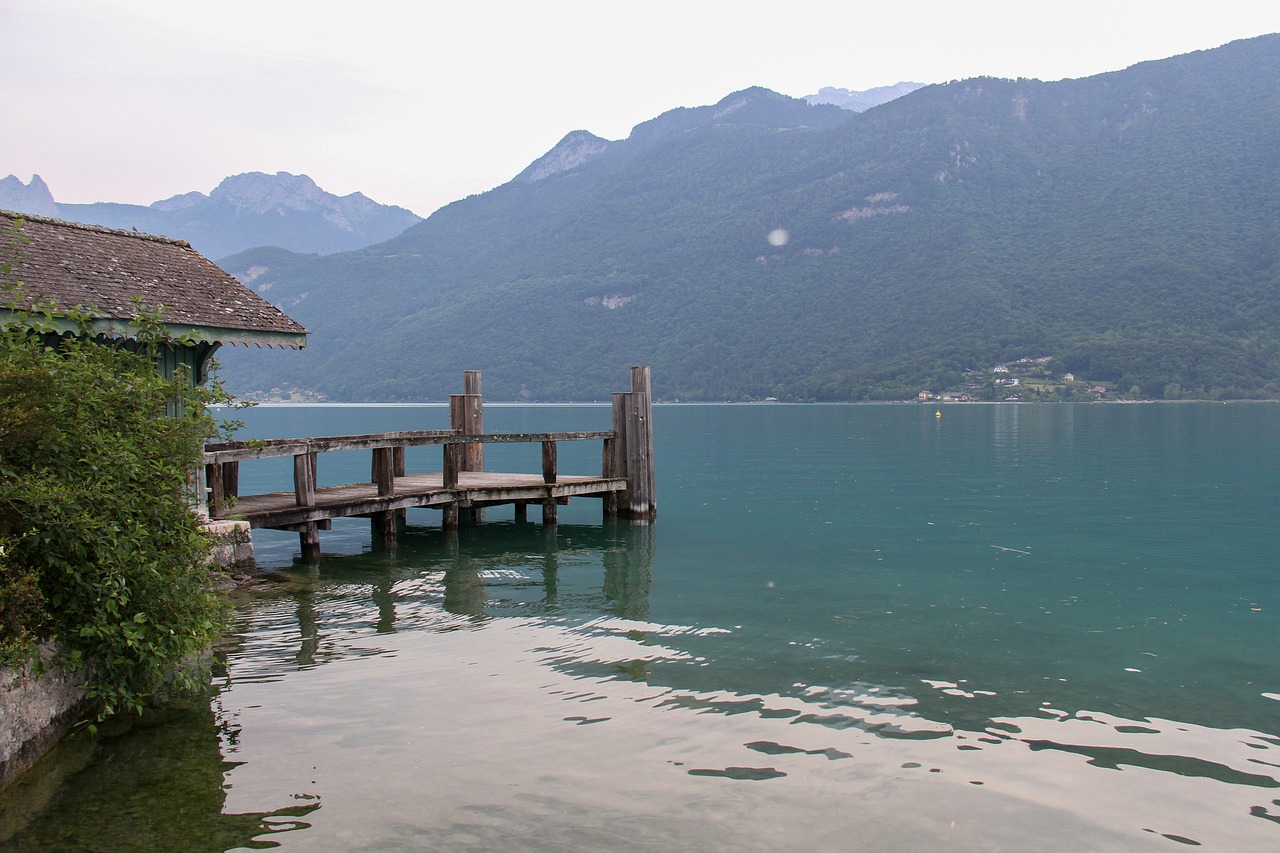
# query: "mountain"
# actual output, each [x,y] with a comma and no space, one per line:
[751,108]
[864,100]
[253,209]
[1122,224]
[33,198]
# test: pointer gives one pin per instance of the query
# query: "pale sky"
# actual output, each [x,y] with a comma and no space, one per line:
[421,103]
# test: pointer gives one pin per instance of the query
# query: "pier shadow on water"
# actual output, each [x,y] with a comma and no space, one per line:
[435,581]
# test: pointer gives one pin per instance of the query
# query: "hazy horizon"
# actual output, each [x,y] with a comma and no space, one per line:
[134,101]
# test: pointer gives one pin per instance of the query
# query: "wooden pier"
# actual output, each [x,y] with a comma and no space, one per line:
[461,489]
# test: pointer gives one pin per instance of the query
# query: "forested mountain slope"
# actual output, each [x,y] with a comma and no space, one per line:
[1124,223]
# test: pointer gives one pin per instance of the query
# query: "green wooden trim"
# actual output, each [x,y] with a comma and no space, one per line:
[112,327]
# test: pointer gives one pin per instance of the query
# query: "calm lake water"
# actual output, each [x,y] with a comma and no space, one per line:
[865,627]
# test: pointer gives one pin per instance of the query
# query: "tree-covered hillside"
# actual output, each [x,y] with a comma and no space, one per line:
[1124,224]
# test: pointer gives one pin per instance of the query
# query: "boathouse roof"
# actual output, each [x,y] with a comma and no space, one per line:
[102,270]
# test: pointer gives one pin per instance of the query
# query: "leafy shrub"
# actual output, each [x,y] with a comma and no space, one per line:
[100,549]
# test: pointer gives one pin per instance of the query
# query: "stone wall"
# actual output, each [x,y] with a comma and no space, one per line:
[35,712]
[232,545]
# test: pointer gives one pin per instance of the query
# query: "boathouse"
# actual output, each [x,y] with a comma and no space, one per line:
[112,275]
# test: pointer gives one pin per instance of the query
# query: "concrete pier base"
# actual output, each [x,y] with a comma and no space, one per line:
[233,545]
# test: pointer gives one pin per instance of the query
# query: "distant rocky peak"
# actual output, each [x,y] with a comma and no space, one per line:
[576,148]
[859,101]
[738,100]
[33,197]
[181,201]
[754,106]
[260,192]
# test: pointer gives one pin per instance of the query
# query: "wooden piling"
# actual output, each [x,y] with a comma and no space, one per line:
[397,463]
[309,542]
[549,462]
[213,481]
[631,454]
[473,418]
[466,415]
[384,529]
[304,490]
[383,474]
[223,482]
[304,479]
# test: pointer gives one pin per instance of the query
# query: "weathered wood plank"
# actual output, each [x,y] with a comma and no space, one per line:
[280,510]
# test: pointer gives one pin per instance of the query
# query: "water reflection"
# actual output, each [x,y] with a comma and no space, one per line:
[1010,627]
[437,581]
[149,785]
[162,784]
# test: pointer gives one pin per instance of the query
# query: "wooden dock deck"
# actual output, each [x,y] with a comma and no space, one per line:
[475,489]
[460,490]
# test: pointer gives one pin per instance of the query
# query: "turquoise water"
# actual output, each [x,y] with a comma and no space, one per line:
[851,627]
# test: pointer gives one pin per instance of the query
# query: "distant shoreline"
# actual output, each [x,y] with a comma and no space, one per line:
[602,404]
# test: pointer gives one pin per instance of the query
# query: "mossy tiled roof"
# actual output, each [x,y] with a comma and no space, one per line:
[102,270]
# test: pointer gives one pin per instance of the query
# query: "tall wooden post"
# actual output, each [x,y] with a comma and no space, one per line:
[304,490]
[384,471]
[231,479]
[466,415]
[304,479]
[630,453]
[453,454]
[549,476]
[614,458]
[473,418]
[397,462]
[213,479]
[383,474]
[645,503]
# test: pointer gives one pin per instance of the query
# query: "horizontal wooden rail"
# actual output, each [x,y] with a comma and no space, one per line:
[236,451]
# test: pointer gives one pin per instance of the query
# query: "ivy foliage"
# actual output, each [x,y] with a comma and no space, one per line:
[100,549]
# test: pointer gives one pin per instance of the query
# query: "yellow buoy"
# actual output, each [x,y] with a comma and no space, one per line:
[937,414]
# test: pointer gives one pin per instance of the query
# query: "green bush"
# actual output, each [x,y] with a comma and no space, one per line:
[100,549]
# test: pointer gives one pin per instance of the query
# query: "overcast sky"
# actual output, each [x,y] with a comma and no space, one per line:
[421,103]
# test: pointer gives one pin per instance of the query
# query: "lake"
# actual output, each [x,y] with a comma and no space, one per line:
[862,627]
